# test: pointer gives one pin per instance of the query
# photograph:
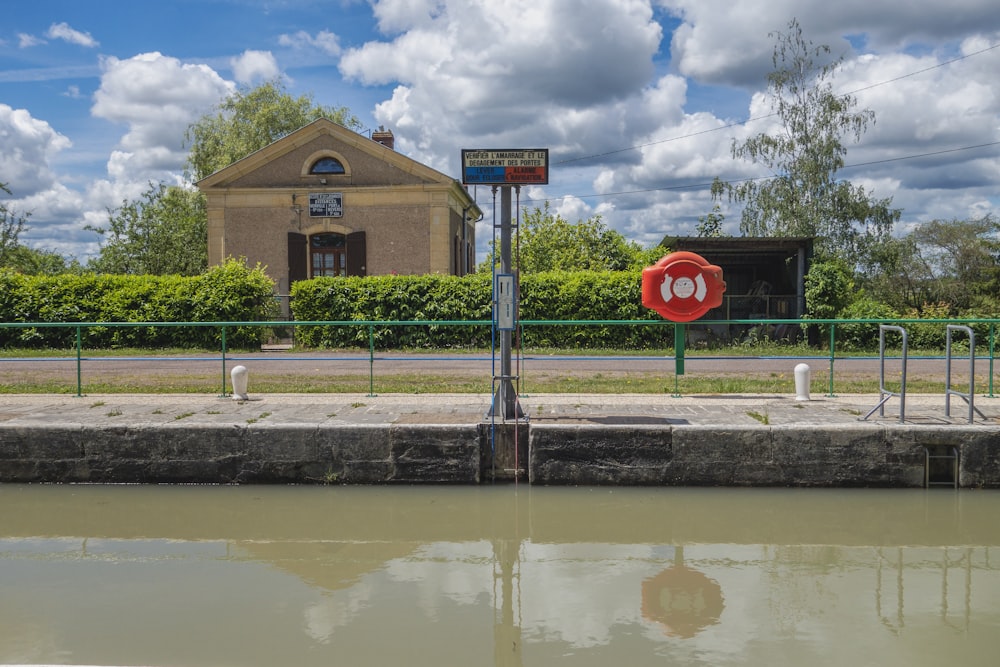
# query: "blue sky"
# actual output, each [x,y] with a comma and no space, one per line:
[638,101]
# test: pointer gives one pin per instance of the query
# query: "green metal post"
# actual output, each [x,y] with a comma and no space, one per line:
[678,356]
[371,359]
[223,394]
[833,338]
[79,359]
[993,338]
[679,348]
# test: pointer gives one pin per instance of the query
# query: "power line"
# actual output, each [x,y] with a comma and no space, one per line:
[698,186]
[926,69]
[919,155]
[756,118]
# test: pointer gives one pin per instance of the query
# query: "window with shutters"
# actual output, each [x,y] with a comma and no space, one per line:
[328,255]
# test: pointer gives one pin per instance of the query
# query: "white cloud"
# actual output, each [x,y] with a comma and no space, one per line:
[58,216]
[402,15]
[927,107]
[157,97]
[28,149]
[27,146]
[579,80]
[626,125]
[545,69]
[64,32]
[253,66]
[25,40]
[325,41]
[719,41]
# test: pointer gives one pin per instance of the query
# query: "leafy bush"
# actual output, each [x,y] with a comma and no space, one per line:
[557,295]
[829,288]
[393,298]
[862,335]
[588,295]
[929,335]
[983,330]
[230,292]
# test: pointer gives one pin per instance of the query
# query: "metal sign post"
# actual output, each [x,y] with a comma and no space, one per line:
[505,168]
[506,395]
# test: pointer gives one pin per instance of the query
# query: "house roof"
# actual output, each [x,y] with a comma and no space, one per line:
[227,176]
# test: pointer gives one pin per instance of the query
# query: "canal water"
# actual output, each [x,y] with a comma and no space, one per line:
[507,575]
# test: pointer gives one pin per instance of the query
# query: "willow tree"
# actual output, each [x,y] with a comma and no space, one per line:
[250,119]
[804,196]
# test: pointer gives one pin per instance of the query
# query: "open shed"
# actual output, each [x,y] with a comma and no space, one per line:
[765,277]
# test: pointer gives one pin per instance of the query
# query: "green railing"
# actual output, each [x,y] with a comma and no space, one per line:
[681,333]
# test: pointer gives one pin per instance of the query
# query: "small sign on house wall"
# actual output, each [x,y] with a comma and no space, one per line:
[326,205]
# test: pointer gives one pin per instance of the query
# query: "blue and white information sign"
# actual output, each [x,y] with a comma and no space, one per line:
[508,166]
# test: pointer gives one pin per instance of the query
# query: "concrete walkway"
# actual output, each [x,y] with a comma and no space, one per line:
[765,440]
[103,410]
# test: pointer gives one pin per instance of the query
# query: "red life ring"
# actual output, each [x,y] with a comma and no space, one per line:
[682,286]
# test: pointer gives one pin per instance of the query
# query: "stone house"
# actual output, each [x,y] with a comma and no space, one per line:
[327,201]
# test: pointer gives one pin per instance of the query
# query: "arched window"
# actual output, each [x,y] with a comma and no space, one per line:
[328,253]
[327,165]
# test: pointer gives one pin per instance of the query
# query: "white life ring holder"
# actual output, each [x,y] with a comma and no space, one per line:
[684,280]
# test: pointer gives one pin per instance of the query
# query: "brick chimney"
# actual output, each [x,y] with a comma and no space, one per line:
[384,137]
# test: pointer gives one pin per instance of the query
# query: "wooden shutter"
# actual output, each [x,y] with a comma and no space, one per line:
[298,257]
[356,254]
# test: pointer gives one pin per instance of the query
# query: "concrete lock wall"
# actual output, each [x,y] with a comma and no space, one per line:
[546,454]
[831,456]
[258,453]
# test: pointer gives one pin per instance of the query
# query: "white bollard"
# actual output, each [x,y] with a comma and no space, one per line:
[802,377]
[240,378]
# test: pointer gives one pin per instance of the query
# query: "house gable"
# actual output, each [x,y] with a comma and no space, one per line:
[285,163]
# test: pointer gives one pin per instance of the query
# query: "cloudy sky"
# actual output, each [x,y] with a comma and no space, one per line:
[638,101]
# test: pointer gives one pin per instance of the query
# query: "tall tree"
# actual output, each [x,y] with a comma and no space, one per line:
[12,224]
[804,197]
[710,225]
[250,119]
[163,232]
[39,262]
[955,262]
[549,242]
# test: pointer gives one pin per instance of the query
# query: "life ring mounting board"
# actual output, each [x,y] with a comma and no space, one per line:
[682,286]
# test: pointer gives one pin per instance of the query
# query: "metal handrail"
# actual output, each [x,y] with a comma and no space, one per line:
[886,394]
[371,325]
[948,391]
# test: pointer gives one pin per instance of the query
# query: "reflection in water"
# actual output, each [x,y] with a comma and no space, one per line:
[497,576]
[683,600]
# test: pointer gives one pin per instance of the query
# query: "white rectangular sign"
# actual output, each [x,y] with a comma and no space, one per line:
[326,205]
[504,298]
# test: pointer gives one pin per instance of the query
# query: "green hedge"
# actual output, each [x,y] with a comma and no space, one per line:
[393,298]
[590,295]
[544,296]
[230,292]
